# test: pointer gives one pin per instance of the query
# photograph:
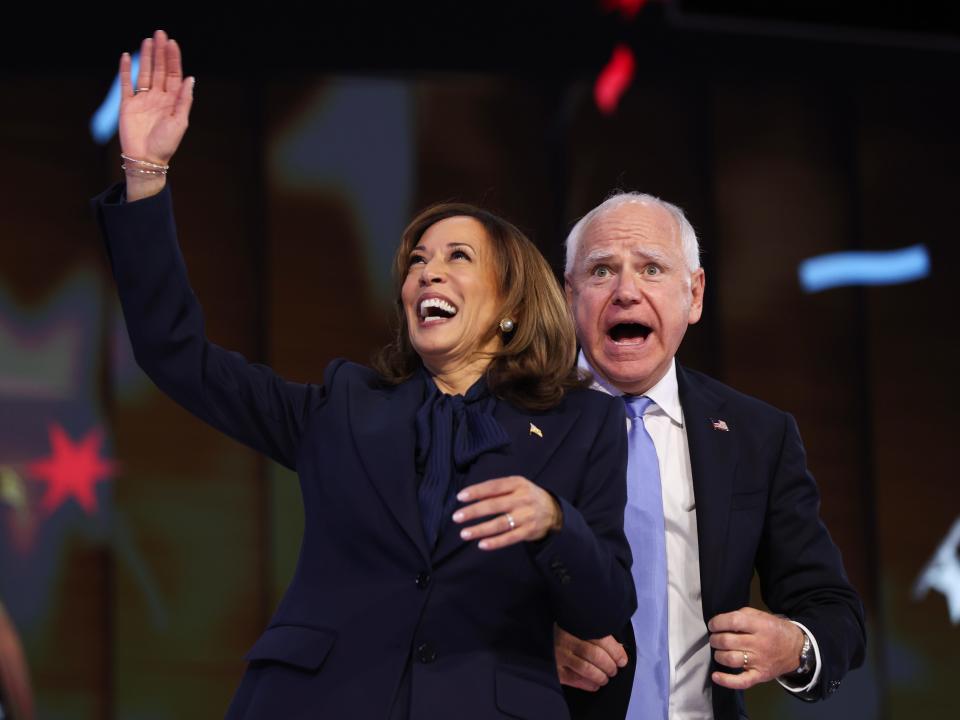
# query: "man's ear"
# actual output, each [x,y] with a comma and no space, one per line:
[568,290]
[698,281]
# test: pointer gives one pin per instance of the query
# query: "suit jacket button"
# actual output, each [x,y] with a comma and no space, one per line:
[426,653]
[423,580]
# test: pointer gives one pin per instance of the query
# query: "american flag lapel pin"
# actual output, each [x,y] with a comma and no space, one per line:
[534,430]
[720,425]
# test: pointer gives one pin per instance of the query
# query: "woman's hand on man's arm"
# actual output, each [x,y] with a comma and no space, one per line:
[524,512]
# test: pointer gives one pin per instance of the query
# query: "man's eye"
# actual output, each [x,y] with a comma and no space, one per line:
[652,270]
[601,271]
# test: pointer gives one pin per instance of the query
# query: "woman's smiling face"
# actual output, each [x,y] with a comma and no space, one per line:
[450,294]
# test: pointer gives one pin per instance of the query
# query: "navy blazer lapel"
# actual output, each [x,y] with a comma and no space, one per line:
[383,425]
[526,455]
[713,460]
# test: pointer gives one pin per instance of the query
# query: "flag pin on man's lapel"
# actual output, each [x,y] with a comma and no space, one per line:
[534,430]
[720,425]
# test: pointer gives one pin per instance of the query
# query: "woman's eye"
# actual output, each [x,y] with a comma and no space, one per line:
[414,259]
[459,255]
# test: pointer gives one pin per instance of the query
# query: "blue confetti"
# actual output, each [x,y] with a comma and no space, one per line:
[865,267]
[103,124]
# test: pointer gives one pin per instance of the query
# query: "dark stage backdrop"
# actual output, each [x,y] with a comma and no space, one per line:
[137,589]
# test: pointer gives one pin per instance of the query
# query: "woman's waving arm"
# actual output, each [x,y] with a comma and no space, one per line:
[164,319]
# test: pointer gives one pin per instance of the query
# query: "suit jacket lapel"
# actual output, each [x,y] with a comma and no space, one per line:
[526,455]
[713,460]
[384,428]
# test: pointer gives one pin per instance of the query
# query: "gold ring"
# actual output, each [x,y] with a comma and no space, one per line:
[746,659]
[140,90]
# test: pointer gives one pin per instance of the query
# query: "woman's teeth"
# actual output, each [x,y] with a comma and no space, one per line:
[435,309]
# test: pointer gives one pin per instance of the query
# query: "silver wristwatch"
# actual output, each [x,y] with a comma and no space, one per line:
[806,657]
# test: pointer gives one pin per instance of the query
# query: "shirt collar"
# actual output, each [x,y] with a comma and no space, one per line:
[666,393]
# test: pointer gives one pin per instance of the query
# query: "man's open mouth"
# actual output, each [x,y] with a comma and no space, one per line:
[628,333]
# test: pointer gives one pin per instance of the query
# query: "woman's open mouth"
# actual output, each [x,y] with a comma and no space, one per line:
[435,309]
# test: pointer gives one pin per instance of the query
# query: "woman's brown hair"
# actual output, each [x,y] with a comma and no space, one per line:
[536,365]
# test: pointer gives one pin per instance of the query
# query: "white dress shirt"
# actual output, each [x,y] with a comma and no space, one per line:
[688,638]
[689,641]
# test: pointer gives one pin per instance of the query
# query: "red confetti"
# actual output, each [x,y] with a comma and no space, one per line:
[72,469]
[629,8]
[614,79]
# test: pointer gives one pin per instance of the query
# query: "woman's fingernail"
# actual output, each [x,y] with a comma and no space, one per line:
[458,516]
[463,495]
[484,544]
[465,534]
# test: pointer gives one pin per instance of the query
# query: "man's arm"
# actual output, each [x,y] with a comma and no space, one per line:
[801,576]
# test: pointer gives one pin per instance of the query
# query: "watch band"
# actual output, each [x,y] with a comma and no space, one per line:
[806,657]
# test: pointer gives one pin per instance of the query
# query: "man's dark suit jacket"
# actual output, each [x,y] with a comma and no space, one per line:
[757,508]
[372,613]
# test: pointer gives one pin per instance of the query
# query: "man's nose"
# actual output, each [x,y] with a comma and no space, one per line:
[627,290]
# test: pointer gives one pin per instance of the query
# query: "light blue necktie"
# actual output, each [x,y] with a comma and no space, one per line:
[643,524]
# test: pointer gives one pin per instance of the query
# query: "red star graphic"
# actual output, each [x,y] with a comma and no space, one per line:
[72,469]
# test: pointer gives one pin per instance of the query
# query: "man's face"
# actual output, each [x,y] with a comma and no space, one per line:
[632,295]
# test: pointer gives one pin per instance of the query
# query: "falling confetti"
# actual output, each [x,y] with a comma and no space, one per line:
[614,79]
[627,8]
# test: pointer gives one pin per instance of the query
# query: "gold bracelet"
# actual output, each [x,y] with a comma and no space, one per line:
[144,163]
[142,171]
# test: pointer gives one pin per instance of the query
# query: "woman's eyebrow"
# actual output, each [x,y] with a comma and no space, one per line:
[422,248]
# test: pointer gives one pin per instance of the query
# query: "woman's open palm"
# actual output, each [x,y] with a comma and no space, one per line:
[154,112]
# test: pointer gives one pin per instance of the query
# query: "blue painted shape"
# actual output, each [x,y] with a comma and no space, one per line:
[355,141]
[103,124]
[864,267]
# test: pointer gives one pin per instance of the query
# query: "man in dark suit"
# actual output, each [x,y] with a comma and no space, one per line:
[736,496]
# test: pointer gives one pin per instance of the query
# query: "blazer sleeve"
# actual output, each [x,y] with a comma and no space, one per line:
[587,562]
[801,572]
[247,401]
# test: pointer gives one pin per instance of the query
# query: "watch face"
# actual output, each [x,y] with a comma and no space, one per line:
[806,657]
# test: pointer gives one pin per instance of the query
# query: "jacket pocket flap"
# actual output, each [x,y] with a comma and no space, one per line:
[295,645]
[527,698]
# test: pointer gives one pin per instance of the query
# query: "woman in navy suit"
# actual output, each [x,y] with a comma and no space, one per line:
[461,498]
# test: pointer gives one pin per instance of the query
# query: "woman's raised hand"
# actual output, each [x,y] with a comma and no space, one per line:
[154,112]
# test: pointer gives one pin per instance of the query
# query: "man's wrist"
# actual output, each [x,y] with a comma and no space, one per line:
[795,681]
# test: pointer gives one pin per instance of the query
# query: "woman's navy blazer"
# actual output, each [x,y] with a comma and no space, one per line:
[372,612]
